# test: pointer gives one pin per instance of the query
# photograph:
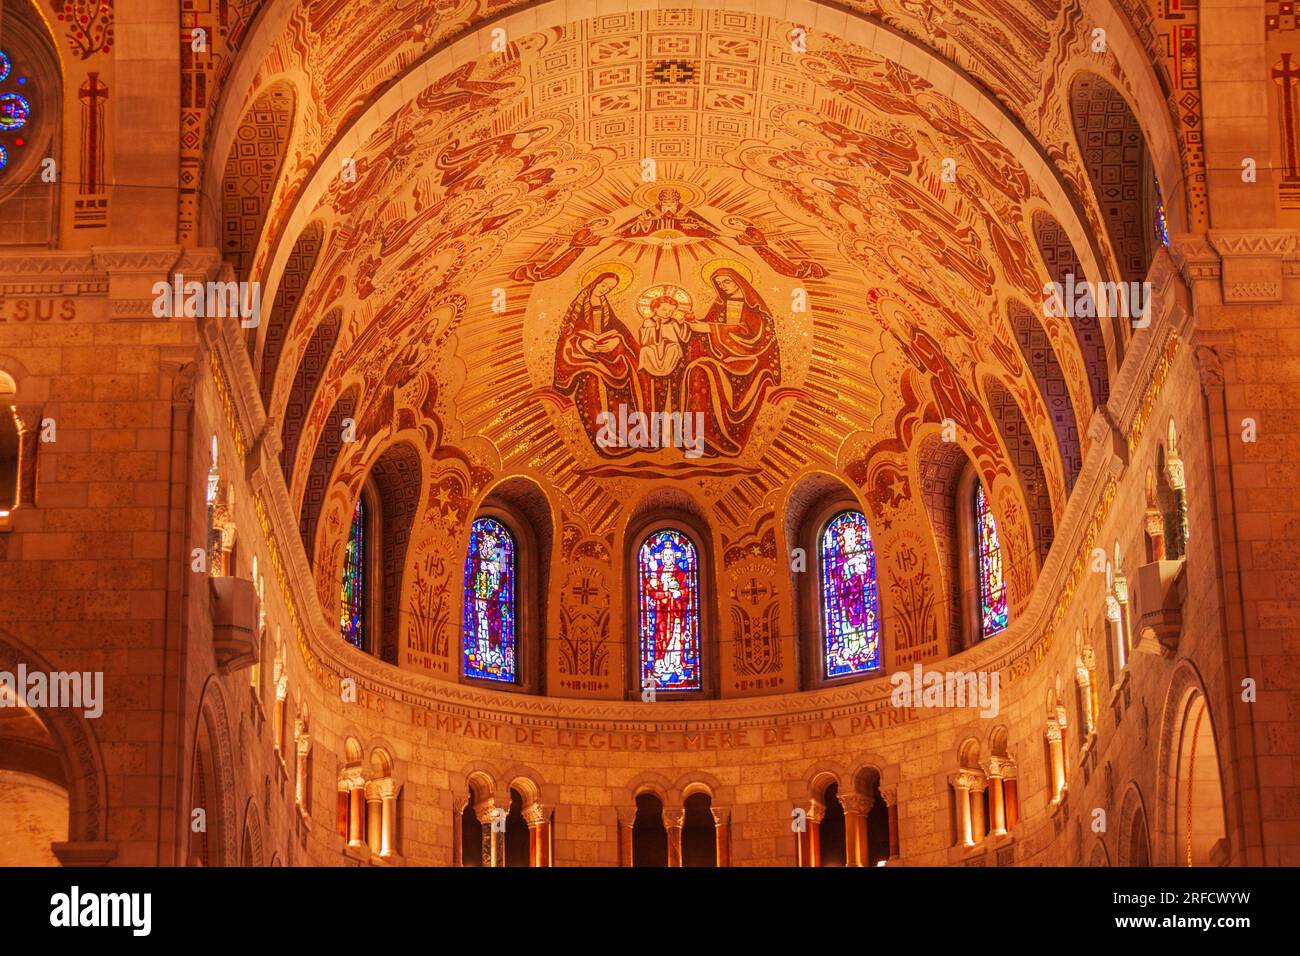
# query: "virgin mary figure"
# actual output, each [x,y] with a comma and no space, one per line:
[595,356]
[733,363]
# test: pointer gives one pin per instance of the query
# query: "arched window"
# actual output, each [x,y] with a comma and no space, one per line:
[491,647]
[649,833]
[31,111]
[699,831]
[518,848]
[988,568]
[352,622]
[10,441]
[15,109]
[668,599]
[850,603]
[1159,223]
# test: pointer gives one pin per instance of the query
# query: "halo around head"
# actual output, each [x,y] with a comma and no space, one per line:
[624,272]
[646,195]
[709,268]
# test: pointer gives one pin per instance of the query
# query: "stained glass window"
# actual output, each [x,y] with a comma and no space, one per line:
[352,621]
[850,602]
[491,639]
[668,590]
[1161,223]
[15,110]
[993,587]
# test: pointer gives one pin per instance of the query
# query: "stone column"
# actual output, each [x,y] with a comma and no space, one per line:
[1154,523]
[374,818]
[493,841]
[281,692]
[890,797]
[625,841]
[721,830]
[961,784]
[856,807]
[356,808]
[301,784]
[539,835]
[341,809]
[978,819]
[27,419]
[997,807]
[673,824]
[1178,482]
[1056,754]
[816,813]
[388,817]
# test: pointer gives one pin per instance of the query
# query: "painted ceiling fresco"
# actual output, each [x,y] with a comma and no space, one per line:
[506,266]
[1021,53]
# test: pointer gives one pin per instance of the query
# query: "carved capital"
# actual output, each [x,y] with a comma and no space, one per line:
[856,802]
[535,815]
[967,780]
[996,767]
[816,810]
[381,789]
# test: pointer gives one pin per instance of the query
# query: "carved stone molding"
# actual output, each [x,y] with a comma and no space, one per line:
[1195,257]
[1252,263]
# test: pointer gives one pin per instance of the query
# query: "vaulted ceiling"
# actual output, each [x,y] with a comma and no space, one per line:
[441,234]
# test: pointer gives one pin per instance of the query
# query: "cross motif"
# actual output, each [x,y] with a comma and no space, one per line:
[585,591]
[754,591]
[1286,73]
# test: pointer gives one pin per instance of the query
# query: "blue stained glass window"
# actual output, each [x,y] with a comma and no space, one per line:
[668,590]
[15,110]
[352,618]
[1161,223]
[491,639]
[993,587]
[850,601]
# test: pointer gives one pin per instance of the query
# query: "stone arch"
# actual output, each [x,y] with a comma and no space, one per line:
[1022,451]
[316,484]
[1099,855]
[298,404]
[1039,355]
[397,477]
[671,509]
[520,503]
[293,282]
[1099,353]
[1113,147]
[81,762]
[252,173]
[251,852]
[940,467]
[211,752]
[1191,807]
[815,500]
[1134,837]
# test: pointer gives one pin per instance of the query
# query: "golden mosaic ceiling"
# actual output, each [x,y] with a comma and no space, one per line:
[523,233]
